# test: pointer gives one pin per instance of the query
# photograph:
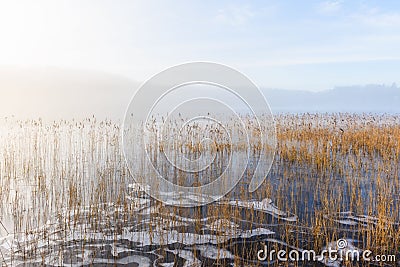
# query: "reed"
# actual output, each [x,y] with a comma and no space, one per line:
[334,176]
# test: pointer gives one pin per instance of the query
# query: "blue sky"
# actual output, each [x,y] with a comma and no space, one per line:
[310,45]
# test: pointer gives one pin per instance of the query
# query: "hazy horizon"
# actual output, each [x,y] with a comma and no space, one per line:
[56,93]
[74,58]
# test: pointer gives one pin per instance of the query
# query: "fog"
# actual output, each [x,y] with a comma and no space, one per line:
[53,93]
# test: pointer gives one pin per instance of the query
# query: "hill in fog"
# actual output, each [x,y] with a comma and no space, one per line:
[53,93]
[369,98]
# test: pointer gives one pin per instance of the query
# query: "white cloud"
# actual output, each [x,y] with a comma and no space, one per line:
[388,19]
[329,7]
[235,15]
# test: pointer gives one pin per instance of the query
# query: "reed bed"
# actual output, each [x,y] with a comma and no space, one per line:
[65,190]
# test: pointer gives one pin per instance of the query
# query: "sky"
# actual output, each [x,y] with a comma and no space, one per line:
[302,45]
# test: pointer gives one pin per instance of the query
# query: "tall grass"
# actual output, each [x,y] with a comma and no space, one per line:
[339,174]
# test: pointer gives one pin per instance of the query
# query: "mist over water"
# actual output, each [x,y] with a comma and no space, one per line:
[54,94]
